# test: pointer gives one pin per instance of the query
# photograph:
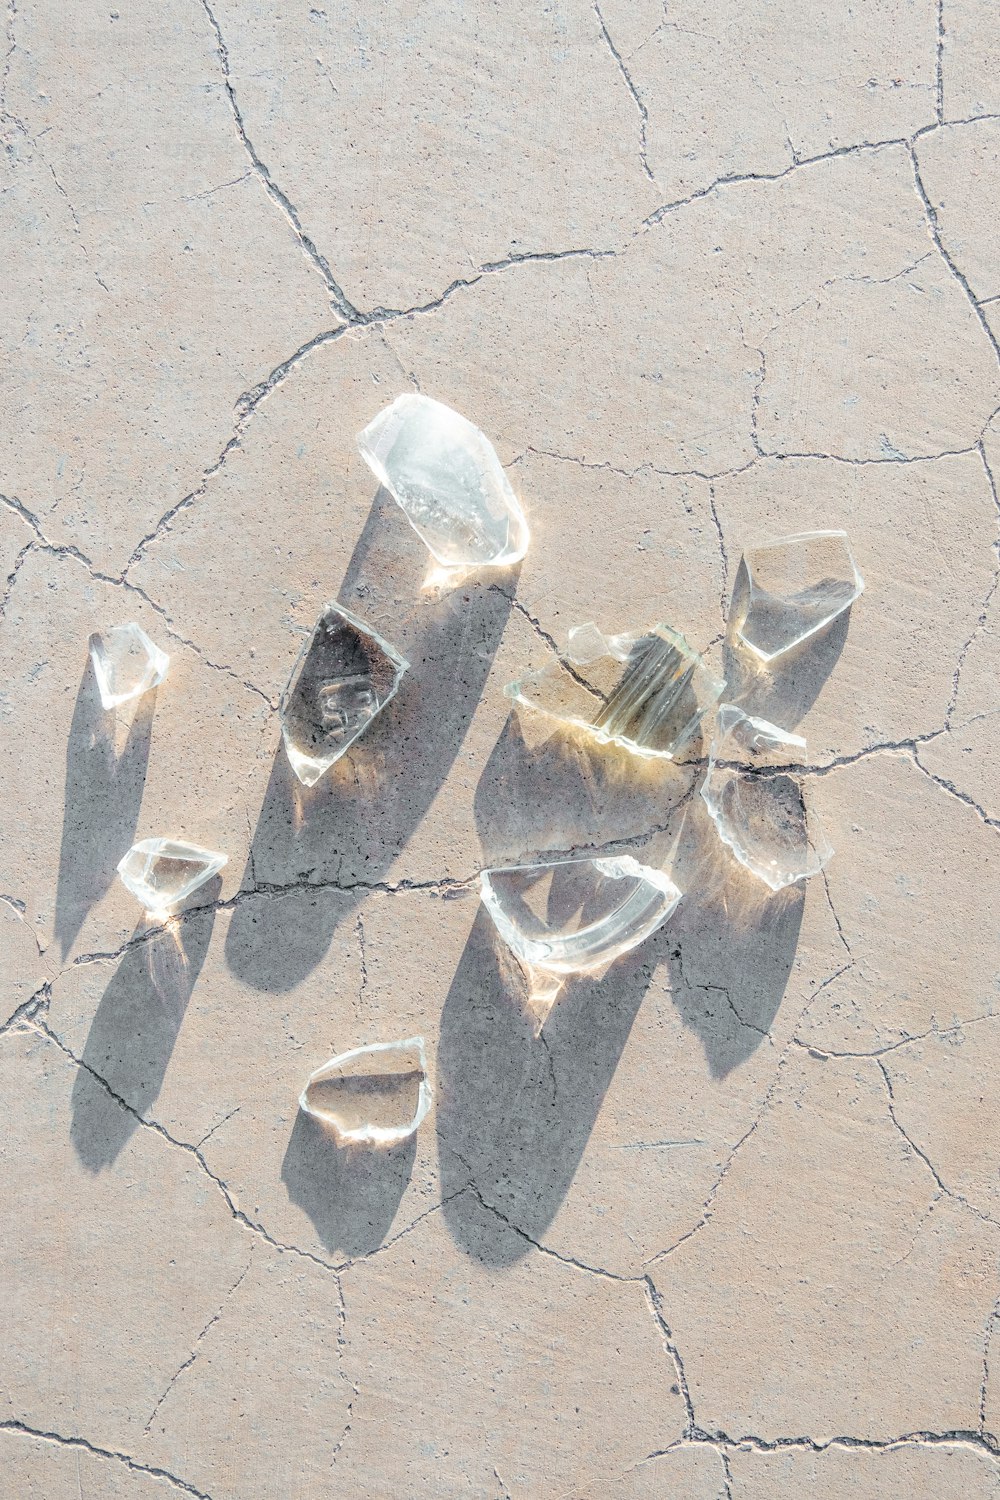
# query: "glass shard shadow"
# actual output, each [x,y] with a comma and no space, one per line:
[646,691]
[373,1096]
[574,916]
[126,663]
[757,804]
[345,675]
[790,589]
[162,873]
[446,478]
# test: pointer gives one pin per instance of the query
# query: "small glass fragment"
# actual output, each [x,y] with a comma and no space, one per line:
[646,690]
[446,478]
[757,806]
[126,663]
[792,588]
[161,873]
[345,675]
[371,1096]
[574,916]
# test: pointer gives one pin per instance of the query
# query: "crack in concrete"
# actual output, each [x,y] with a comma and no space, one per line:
[655,1303]
[942,1186]
[636,98]
[111,1454]
[197,1343]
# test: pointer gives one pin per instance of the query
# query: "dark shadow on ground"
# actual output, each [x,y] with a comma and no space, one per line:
[134,1030]
[353,824]
[351,1193]
[101,804]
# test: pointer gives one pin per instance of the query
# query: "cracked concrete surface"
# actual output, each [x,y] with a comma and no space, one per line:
[730,1229]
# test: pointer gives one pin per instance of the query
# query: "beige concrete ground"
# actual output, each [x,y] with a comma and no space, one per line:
[706,273]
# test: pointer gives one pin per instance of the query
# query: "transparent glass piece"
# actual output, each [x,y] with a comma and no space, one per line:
[574,916]
[345,675]
[789,589]
[126,663]
[161,873]
[645,690]
[445,476]
[757,806]
[373,1096]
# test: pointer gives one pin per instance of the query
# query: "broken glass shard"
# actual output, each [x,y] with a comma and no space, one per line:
[574,916]
[345,675]
[790,589]
[162,873]
[126,663]
[445,476]
[372,1096]
[758,804]
[646,691]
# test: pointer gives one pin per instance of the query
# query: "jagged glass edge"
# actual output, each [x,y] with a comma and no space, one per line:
[818,841]
[159,661]
[512,554]
[372,1135]
[799,536]
[714,689]
[295,757]
[537,953]
[153,848]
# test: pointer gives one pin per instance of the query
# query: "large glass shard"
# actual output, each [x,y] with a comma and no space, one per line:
[372,1096]
[126,663]
[792,588]
[446,477]
[646,691]
[574,916]
[345,675]
[758,804]
[162,873]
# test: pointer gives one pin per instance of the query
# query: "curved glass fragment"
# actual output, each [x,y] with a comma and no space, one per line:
[161,873]
[446,478]
[645,690]
[758,806]
[789,589]
[126,663]
[345,675]
[574,916]
[375,1095]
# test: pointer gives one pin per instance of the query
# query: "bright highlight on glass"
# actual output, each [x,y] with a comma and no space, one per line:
[371,1096]
[757,805]
[126,663]
[574,916]
[446,478]
[345,675]
[790,589]
[645,690]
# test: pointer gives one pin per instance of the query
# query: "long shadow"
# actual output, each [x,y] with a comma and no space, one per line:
[101,805]
[352,825]
[134,1030]
[514,1112]
[351,1194]
[730,945]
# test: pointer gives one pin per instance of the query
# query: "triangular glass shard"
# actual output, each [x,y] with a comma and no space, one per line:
[645,690]
[371,1096]
[757,804]
[790,589]
[345,675]
[126,663]
[445,476]
[574,916]
[162,873]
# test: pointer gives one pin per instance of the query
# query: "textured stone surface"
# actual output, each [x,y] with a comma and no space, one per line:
[730,1229]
